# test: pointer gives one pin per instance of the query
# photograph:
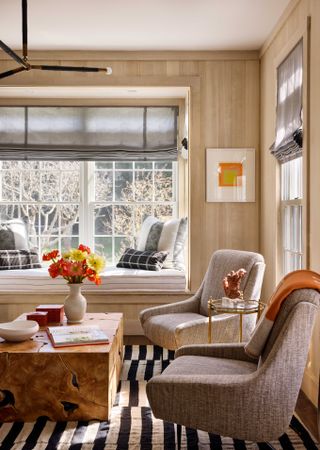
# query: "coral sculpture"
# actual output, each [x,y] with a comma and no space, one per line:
[231,283]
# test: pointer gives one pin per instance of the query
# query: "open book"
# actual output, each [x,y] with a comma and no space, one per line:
[76,335]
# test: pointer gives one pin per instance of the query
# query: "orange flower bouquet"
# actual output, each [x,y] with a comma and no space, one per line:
[75,265]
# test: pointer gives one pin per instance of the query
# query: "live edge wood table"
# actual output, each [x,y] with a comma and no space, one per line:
[70,383]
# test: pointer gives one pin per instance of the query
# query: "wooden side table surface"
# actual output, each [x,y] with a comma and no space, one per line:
[68,383]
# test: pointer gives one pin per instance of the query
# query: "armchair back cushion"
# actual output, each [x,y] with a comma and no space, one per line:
[223,262]
[300,296]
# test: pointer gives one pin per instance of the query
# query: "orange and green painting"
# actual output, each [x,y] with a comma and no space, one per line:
[230,174]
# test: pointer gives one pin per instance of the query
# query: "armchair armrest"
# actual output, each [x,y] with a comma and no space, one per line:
[189,305]
[228,351]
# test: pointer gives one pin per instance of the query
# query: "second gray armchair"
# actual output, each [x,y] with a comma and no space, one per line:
[186,322]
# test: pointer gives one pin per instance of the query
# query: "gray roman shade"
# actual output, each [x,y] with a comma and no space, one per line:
[288,142]
[88,133]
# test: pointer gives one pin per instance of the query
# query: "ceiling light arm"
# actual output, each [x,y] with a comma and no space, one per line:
[14,56]
[12,72]
[25,29]
[106,70]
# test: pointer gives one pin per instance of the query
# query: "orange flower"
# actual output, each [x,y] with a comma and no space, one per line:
[90,274]
[84,248]
[97,280]
[76,269]
[51,255]
[54,269]
[65,267]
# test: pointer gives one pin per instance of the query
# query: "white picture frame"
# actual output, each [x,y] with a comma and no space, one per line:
[230,175]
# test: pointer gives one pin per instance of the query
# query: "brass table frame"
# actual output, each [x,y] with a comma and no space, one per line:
[213,305]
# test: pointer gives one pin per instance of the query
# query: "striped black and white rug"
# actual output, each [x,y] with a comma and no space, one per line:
[132,425]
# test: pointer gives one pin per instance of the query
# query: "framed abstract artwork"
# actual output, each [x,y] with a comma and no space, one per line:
[230,175]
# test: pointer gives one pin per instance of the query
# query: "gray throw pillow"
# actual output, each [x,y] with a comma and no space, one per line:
[14,235]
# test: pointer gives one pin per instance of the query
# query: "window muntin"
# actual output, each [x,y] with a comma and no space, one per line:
[101,204]
[291,207]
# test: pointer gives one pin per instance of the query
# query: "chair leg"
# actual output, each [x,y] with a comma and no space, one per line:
[179,428]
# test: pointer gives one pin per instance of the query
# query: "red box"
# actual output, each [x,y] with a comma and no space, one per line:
[40,317]
[55,312]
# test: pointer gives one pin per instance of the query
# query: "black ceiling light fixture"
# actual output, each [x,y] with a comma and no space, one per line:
[25,64]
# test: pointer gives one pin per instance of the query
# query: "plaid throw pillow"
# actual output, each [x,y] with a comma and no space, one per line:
[147,260]
[19,259]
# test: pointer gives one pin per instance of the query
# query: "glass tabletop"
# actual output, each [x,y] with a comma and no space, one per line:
[234,306]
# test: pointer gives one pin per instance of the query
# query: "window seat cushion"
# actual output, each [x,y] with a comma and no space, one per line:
[113,279]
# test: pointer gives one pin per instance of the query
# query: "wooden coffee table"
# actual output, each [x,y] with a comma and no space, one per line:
[69,383]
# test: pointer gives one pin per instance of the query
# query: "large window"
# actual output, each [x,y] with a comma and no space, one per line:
[291,206]
[288,149]
[98,203]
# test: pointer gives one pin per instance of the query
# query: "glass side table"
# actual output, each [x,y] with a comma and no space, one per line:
[240,307]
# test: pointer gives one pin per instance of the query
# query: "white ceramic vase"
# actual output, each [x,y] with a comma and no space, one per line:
[75,304]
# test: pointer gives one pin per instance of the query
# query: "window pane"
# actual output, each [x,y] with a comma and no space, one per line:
[120,244]
[123,220]
[143,186]
[10,183]
[70,186]
[163,185]
[141,213]
[30,182]
[103,165]
[68,242]
[103,220]
[123,186]
[165,165]
[103,186]
[49,220]
[49,243]
[49,187]
[163,212]
[143,165]
[69,216]
[123,165]
[103,246]
[291,179]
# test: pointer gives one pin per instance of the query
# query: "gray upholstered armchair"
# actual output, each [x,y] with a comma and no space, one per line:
[218,388]
[186,322]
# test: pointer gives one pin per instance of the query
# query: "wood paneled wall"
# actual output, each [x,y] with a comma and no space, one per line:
[224,112]
[289,31]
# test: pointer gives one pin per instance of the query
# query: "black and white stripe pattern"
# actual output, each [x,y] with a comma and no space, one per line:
[19,259]
[144,260]
[132,425]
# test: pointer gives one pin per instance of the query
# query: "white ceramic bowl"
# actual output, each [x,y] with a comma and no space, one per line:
[18,330]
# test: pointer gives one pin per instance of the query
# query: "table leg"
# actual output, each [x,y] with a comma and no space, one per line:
[209,325]
[240,327]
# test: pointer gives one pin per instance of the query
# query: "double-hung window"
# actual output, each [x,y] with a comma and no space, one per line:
[100,202]
[287,148]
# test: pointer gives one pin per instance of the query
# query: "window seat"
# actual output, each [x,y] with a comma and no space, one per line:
[113,279]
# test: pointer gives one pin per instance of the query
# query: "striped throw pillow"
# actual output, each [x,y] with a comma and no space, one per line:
[19,259]
[167,236]
[146,260]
